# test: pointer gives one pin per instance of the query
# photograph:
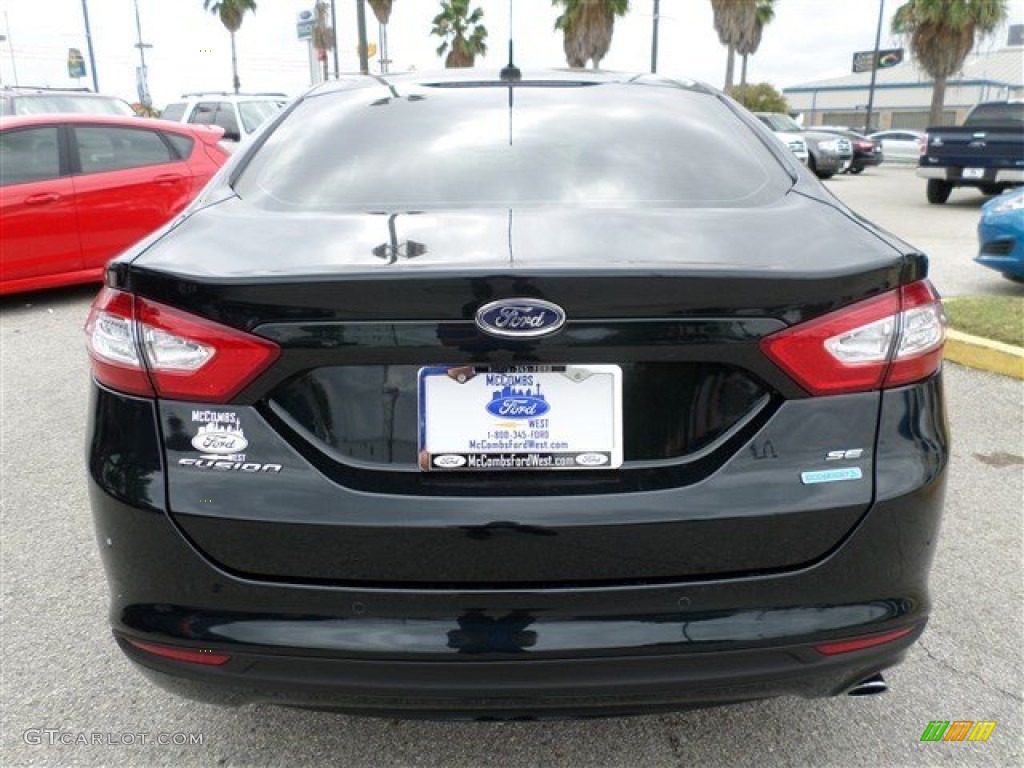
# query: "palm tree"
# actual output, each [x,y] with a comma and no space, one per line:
[735,21]
[231,13]
[941,33]
[587,27]
[464,37]
[765,15]
[382,10]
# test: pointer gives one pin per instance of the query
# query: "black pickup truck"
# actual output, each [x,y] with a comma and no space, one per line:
[986,152]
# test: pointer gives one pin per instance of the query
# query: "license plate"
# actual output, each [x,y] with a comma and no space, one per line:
[974,173]
[474,418]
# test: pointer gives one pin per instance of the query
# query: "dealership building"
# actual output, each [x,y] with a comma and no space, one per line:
[903,93]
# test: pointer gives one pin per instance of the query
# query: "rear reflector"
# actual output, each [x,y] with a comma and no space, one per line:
[860,643]
[885,341]
[145,348]
[189,655]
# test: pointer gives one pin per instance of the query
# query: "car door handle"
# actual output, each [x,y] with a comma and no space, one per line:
[43,198]
[169,178]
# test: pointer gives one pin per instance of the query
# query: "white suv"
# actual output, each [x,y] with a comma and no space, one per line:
[239,114]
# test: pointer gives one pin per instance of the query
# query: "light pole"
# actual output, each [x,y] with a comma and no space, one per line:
[143,81]
[654,36]
[88,43]
[874,66]
[364,62]
[334,27]
[10,47]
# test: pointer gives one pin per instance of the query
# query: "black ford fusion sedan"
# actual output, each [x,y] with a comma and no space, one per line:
[524,396]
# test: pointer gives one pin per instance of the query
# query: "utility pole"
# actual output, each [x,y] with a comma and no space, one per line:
[88,44]
[143,81]
[334,29]
[364,61]
[654,36]
[10,47]
[874,66]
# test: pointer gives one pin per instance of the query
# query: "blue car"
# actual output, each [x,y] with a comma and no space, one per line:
[1001,235]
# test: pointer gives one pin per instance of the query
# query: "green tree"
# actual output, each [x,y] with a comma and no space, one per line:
[760,97]
[941,33]
[382,10]
[464,37]
[231,13]
[765,15]
[587,27]
[735,22]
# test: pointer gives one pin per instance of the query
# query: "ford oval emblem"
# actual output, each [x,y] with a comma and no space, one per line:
[222,442]
[523,407]
[520,318]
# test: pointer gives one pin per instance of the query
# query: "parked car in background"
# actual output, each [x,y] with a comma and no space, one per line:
[866,151]
[449,407]
[20,100]
[238,114]
[1001,235]
[827,154]
[900,145]
[986,152]
[796,144]
[76,190]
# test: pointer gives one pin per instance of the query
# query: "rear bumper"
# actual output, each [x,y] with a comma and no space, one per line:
[519,653]
[866,159]
[954,175]
[521,687]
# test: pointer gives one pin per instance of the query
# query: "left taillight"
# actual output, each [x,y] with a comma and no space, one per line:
[142,347]
[886,341]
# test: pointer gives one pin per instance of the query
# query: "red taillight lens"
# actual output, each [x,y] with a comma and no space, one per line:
[145,348]
[860,643]
[189,655]
[886,341]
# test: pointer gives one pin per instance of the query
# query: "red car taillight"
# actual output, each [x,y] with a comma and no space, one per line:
[886,341]
[189,655]
[145,348]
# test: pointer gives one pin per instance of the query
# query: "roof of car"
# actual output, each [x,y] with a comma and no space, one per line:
[22,121]
[492,77]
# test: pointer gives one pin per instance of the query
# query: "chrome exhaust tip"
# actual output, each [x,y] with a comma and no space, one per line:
[869,686]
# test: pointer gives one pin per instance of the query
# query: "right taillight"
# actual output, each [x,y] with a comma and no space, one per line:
[892,339]
[145,348]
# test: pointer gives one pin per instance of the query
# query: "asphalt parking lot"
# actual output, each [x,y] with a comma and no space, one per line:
[892,197]
[63,679]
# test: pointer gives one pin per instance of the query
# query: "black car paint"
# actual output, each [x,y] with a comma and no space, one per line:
[562,605]
[753,633]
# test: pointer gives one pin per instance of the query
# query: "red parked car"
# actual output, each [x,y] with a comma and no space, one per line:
[76,190]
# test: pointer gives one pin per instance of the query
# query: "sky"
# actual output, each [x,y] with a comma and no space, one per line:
[809,40]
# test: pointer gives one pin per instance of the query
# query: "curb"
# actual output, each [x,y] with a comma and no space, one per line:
[988,355]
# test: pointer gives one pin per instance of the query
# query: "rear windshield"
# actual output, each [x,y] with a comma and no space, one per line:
[254,113]
[588,145]
[174,112]
[997,114]
[53,102]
